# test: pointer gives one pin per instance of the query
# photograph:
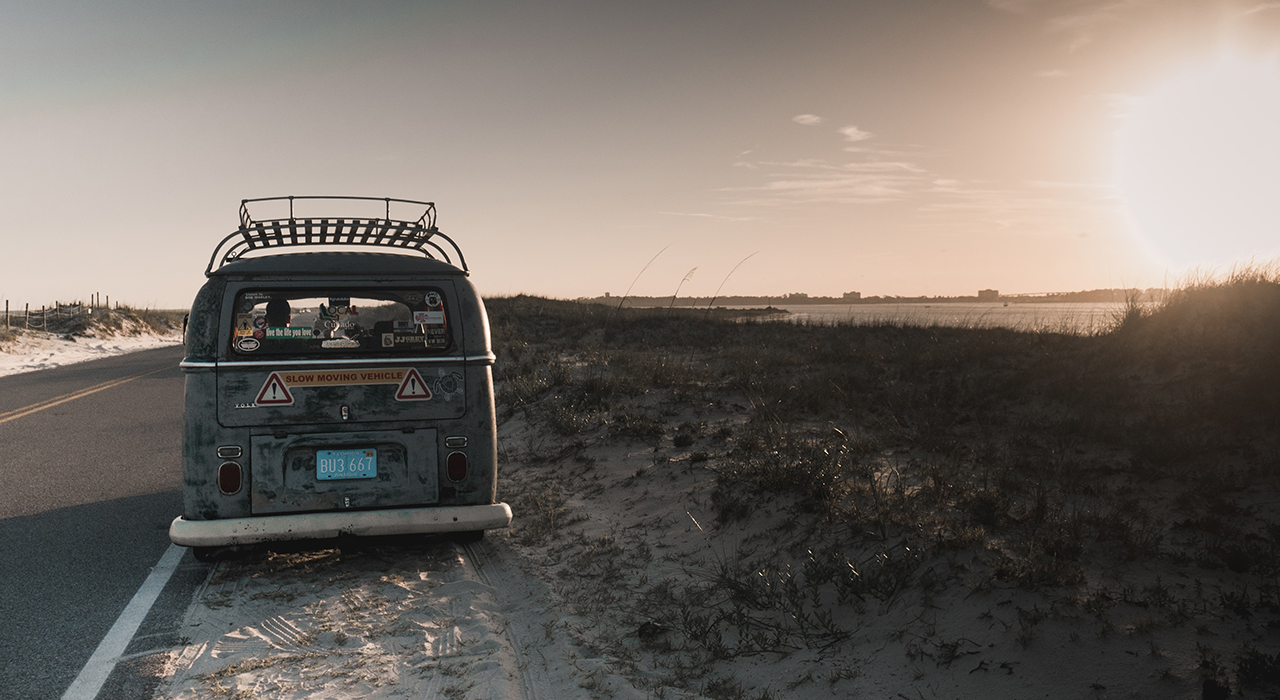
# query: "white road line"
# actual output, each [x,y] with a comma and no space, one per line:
[103,661]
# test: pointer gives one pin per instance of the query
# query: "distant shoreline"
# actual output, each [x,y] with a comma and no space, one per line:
[1089,296]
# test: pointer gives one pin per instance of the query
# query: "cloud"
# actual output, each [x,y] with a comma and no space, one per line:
[814,181]
[1037,206]
[1014,5]
[883,178]
[853,133]
[1080,20]
[1263,7]
[700,215]
[807,119]
[872,174]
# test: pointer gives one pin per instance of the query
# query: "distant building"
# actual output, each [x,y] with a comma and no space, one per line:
[988,295]
[852,296]
[606,295]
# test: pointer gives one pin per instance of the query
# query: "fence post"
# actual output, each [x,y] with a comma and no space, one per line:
[26,315]
[6,313]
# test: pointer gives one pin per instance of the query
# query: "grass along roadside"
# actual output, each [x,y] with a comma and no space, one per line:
[752,509]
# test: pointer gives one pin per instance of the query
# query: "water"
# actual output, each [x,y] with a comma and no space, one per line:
[1066,318]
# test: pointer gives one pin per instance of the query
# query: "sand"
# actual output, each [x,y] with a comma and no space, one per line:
[35,350]
[601,586]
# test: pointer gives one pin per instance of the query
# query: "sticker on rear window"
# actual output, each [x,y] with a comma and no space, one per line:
[248,344]
[306,323]
[278,333]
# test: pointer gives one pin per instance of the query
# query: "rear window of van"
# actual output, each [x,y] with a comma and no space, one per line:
[348,322]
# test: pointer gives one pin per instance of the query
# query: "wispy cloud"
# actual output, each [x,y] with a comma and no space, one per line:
[1080,20]
[814,181]
[807,119]
[853,133]
[1262,7]
[1033,207]
[874,174]
[1015,5]
[701,215]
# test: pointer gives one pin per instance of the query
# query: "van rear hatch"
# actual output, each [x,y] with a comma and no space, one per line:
[339,388]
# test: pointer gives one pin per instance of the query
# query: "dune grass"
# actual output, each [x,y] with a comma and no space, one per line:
[1043,455]
[102,321]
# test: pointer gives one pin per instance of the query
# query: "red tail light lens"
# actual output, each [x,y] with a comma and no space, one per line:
[229,478]
[456,466]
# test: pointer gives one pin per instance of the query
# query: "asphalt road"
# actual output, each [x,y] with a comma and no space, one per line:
[90,484]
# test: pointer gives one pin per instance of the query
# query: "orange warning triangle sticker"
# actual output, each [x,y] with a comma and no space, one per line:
[274,392]
[412,388]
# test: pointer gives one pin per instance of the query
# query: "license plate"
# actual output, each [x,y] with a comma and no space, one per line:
[346,464]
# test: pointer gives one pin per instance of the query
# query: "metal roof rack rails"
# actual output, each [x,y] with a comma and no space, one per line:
[406,234]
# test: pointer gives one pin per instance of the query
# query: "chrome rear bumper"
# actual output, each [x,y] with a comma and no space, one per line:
[359,523]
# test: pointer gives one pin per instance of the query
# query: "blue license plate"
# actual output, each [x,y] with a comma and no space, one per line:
[346,464]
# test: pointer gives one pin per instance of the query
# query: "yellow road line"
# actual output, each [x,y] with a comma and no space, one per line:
[50,403]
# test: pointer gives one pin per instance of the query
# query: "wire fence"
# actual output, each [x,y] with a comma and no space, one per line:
[54,316]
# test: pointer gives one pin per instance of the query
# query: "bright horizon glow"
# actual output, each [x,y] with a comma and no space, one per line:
[1198,164]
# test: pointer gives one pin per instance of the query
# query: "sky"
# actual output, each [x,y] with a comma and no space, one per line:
[889,147]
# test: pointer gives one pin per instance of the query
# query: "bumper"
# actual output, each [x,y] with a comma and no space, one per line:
[315,526]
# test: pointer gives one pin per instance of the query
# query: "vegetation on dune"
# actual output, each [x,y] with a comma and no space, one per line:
[1035,457]
[75,320]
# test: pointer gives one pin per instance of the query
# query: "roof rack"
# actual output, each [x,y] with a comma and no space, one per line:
[385,232]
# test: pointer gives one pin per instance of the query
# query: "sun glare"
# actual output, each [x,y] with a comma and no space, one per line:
[1198,164]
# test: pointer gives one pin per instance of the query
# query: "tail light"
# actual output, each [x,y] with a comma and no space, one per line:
[229,478]
[456,466]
